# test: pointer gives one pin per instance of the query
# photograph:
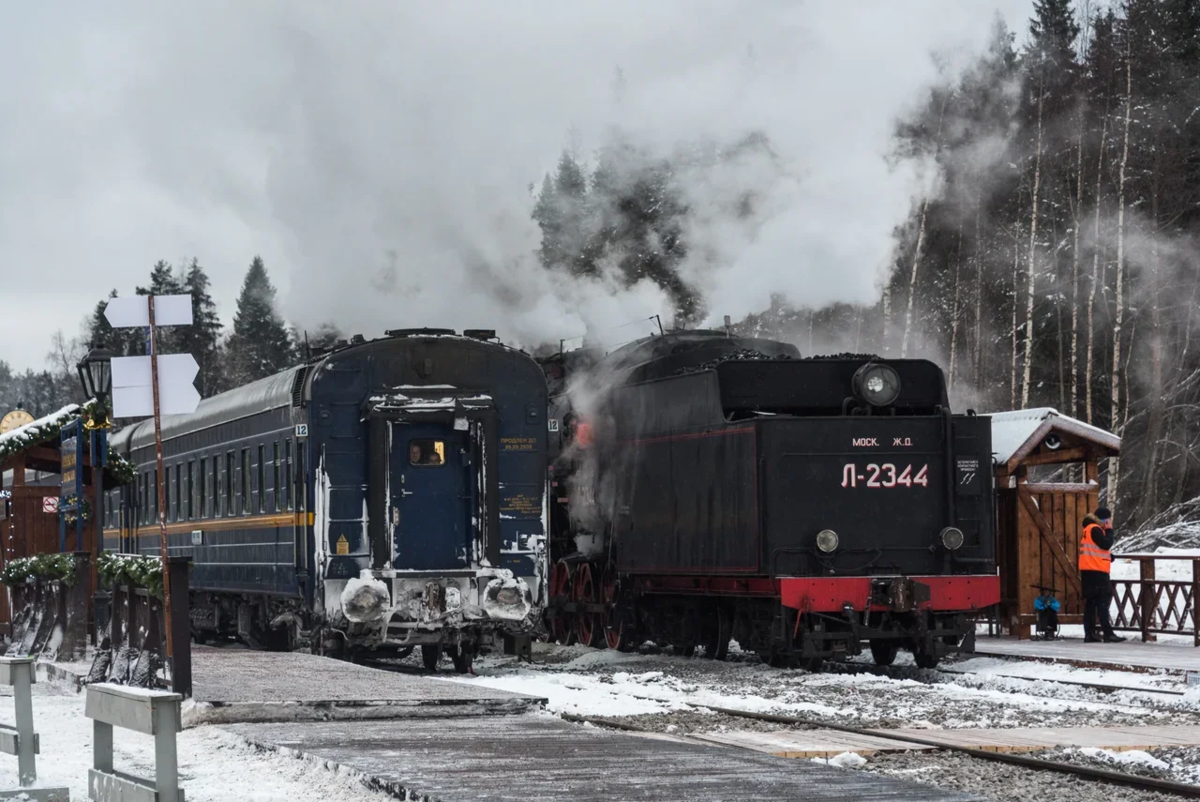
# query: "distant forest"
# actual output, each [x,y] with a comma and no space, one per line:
[1054,261]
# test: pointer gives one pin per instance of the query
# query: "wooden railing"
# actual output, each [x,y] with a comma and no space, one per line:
[134,647]
[1154,606]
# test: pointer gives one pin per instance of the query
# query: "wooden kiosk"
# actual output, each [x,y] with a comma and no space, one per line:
[30,486]
[1047,467]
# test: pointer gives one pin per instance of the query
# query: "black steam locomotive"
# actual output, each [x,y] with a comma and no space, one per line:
[706,487]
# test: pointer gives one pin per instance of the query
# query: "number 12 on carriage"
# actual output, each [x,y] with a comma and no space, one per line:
[885,475]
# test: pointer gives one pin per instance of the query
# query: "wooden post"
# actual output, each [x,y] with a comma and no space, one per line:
[162,479]
[179,626]
[1195,602]
[1147,596]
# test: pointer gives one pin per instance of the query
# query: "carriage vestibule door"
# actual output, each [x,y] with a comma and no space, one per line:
[430,502]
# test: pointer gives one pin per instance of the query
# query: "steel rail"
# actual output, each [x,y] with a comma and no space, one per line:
[1102,775]
[1024,761]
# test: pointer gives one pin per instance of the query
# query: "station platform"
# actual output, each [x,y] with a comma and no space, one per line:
[541,758]
[241,685]
[1172,656]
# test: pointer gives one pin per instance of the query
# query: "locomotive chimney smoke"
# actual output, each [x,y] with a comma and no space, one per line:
[381,160]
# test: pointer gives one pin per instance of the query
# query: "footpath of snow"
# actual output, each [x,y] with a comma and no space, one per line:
[214,765]
[628,694]
[605,683]
[997,667]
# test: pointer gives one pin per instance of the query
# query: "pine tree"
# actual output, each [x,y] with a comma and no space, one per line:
[260,345]
[202,339]
[164,281]
[122,342]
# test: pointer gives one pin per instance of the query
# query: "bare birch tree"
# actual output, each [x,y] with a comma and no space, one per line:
[1031,280]
[1117,420]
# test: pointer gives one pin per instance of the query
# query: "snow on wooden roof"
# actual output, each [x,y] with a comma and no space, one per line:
[39,431]
[1015,434]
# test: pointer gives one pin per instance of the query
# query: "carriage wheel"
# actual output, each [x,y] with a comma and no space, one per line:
[588,626]
[613,630]
[561,628]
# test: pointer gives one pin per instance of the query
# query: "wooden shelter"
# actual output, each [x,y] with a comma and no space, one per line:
[1047,468]
[30,473]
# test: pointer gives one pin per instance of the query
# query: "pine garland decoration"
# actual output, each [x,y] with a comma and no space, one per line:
[131,569]
[43,567]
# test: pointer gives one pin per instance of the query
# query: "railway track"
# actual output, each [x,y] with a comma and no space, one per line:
[903,672]
[1104,776]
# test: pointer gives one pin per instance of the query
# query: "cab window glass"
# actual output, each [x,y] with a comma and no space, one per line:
[426,452]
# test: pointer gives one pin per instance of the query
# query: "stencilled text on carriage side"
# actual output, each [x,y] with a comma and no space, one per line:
[864,442]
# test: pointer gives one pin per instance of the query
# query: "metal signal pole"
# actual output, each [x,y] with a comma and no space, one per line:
[162,486]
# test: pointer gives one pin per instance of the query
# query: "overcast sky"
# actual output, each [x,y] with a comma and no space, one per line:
[378,154]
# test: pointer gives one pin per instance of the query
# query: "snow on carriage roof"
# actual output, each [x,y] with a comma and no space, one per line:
[1012,432]
[250,399]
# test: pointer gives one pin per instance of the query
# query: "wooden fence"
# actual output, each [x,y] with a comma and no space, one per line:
[135,647]
[50,619]
[1153,606]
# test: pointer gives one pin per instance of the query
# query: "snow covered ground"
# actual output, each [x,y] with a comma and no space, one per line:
[655,690]
[215,766]
[652,691]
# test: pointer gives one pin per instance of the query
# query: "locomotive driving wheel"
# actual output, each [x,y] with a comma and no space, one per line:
[589,627]
[561,624]
[716,645]
[614,630]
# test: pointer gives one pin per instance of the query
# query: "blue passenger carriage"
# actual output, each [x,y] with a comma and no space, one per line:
[387,495]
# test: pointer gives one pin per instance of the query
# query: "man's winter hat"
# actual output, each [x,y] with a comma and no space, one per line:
[1104,513]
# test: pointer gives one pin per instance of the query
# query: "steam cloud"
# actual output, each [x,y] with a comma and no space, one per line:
[379,154]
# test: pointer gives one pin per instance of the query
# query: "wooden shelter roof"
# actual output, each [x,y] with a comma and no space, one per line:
[1022,433]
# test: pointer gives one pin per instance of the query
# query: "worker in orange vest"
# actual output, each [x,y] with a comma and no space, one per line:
[1095,562]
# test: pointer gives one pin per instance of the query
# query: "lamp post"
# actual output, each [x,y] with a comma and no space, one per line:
[95,374]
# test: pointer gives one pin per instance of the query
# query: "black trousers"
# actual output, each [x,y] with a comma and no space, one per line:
[1095,606]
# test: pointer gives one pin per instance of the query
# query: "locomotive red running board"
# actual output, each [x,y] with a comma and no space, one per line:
[832,594]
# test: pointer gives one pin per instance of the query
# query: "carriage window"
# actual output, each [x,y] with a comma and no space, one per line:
[287,473]
[216,487]
[154,499]
[191,488]
[230,469]
[201,488]
[426,452]
[275,475]
[262,480]
[245,480]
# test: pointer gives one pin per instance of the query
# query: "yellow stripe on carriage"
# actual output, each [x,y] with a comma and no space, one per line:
[222,524]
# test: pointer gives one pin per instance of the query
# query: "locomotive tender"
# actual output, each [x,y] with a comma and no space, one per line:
[707,487]
[386,495]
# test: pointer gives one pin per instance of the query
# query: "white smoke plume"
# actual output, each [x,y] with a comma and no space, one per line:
[379,154]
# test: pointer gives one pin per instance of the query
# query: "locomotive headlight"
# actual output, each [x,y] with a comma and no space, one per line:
[877,384]
[827,540]
[952,537]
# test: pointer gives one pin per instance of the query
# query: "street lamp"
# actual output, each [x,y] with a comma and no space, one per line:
[95,374]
